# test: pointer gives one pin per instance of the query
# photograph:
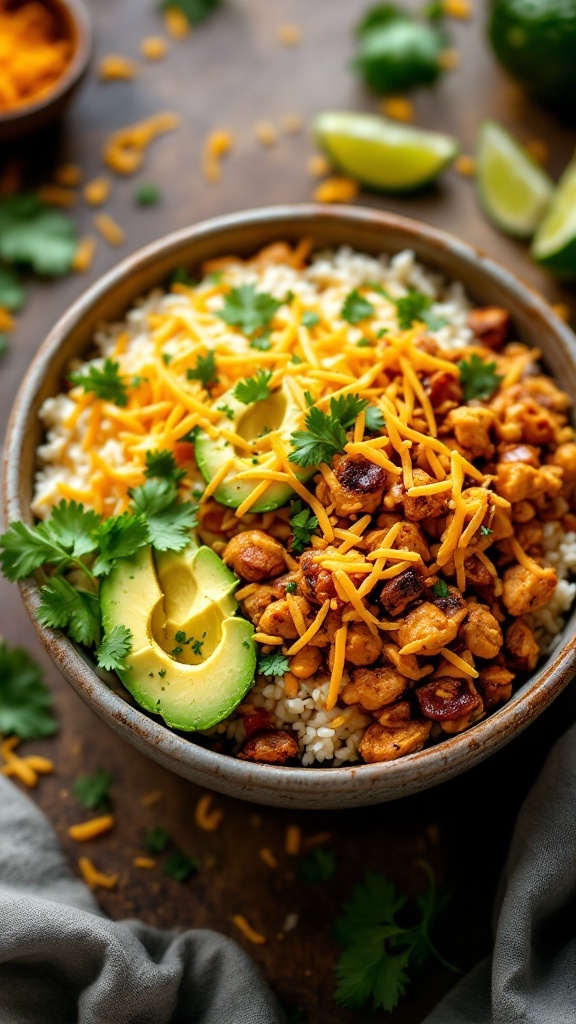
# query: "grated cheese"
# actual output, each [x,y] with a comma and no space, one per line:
[250,933]
[338,666]
[209,820]
[87,830]
[96,879]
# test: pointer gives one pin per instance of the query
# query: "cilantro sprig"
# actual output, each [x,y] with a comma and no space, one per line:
[35,235]
[25,702]
[254,389]
[273,664]
[114,648]
[248,309]
[303,524]
[356,308]
[478,379]
[104,382]
[204,370]
[318,866]
[325,433]
[161,463]
[168,520]
[194,11]
[91,791]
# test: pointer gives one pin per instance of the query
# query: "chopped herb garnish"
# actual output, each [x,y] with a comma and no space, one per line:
[319,866]
[25,702]
[441,589]
[411,308]
[325,433]
[273,664]
[486,531]
[375,421]
[168,519]
[147,194]
[180,637]
[215,276]
[382,331]
[179,866]
[478,379]
[303,524]
[364,343]
[295,359]
[91,791]
[162,673]
[253,389]
[261,342]
[162,464]
[291,587]
[228,412]
[104,382]
[176,651]
[205,370]
[35,235]
[118,537]
[197,646]
[194,11]
[157,840]
[310,318]
[166,358]
[248,309]
[114,648]
[356,308]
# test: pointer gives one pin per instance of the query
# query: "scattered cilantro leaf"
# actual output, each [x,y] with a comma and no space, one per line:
[179,866]
[169,520]
[4,346]
[346,408]
[273,664]
[441,589]
[194,11]
[433,321]
[291,587]
[105,382]
[364,343]
[319,866]
[261,342]
[295,359]
[248,309]
[197,646]
[356,308]
[161,463]
[69,608]
[303,524]
[434,10]
[182,276]
[91,791]
[253,389]
[374,419]
[381,14]
[12,292]
[486,531]
[25,702]
[205,370]
[118,537]
[325,433]
[147,194]
[66,535]
[310,318]
[157,839]
[228,412]
[36,235]
[114,648]
[478,379]
[411,308]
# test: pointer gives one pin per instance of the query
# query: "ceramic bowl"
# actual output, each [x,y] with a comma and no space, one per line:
[372,232]
[74,22]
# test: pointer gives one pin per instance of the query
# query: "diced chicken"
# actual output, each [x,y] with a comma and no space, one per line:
[317,583]
[472,427]
[382,744]
[427,505]
[520,453]
[516,481]
[490,324]
[524,591]
[406,664]
[521,646]
[444,387]
[496,685]
[409,538]
[538,424]
[430,625]
[529,535]
[401,590]
[255,556]
[565,458]
[306,662]
[275,747]
[362,647]
[447,699]
[360,485]
[481,632]
[477,574]
[373,688]
[276,620]
[259,721]
[255,604]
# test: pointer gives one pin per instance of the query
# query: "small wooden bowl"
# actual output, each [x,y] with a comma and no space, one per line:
[74,23]
[368,231]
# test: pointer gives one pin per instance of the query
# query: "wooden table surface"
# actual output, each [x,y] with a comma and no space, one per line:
[231,73]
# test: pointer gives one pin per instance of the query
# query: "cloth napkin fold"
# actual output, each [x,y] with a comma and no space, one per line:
[62,961]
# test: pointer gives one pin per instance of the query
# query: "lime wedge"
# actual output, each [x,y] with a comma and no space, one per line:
[555,243]
[514,190]
[381,154]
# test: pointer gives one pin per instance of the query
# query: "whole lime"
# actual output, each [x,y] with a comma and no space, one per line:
[535,40]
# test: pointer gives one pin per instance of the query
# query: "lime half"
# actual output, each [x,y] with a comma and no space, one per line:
[382,154]
[555,242]
[514,190]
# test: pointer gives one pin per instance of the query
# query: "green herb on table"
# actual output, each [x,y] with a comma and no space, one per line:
[303,524]
[273,664]
[157,840]
[205,370]
[3,345]
[168,519]
[356,308]
[478,379]
[180,867]
[35,235]
[441,589]
[114,648]
[162,464]
[384,937]
[248,309]
[194,11]
[310,318]
[12,293]
[147,194]
[254,389]
[325,433]
[375,421]
[91,791]
[319,866]
[25,702]
[105,382]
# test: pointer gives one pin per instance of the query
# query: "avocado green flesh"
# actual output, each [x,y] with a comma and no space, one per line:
[189,695]
[196,584]
[278,412]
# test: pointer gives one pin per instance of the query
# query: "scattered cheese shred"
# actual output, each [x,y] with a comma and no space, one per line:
[97,191]
[176,22]
[250,933]
[114,67]
[109,229]
[310,632]
[336,190]
[268,857]
[84,254]
[458,662]
[153,48]
[217,145]
[338,666]
[266,134]
[289,34]
[94,878]
[207,818]
[87,830]
[125,148]
[26,769]
[146,863]
[293,841]
[151,798]
[397,107]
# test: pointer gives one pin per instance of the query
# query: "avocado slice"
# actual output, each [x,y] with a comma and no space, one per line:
[189,695]
[277,412]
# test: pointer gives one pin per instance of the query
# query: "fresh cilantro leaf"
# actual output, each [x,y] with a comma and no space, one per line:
[381,14]
[37,236]
[166,358]
[346,408]
[486,531]
[364,343]
[114,648]
[25,702]
[196,646]
[295,359]
[176,651]
[205,370]
[228,412]
[381,332]
[319,866]
[325,433]
[147,194]
[75,611]
[118,537]
[67,534]
[253,389]
[356,308]
[374,419]
[194,11]
[161,463]
[73,527]
[433,321]
[411,308]
[105,382]
[310,400]
[434,10]
[303,524]
[441,589]
[91,791]
[310,318]
[478,379]
[273,664]
[181,276]
[157,840]
[169,520]
[248,309]
[261,342]
[291,587]
[179,866]
[12,292]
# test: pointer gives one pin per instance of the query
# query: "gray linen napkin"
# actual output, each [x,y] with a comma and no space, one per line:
[62,961]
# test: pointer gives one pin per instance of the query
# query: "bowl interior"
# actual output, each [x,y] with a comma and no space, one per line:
[107,300]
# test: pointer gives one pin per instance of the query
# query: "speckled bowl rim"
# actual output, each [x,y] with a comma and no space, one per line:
[319,787]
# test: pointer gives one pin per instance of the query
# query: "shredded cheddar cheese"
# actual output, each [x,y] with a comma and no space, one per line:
[250,933]
[87,830]
[207,818]
[94,878]
[293,841]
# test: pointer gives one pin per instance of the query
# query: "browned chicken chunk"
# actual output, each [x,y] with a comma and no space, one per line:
[276,619]
[427,504]
[429,625]
[373,688]
[522,650]
[255,556]
[256,603]
[496,685]
[516,481]
[471,426]
[481,632]
[524,591]
[382,744]
[490,324]
[362,647]
[317,583]
[401,590]
[565,458]
[360,485]
[270,748]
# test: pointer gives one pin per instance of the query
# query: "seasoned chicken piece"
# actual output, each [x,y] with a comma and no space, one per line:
[481,632]
[401,590]
[382,744]
[445,699]
[406,664]
[519,453]
[565,458]
[496,685]
[276,619]
[429,624]
[501,525]
[538,424]
[516,481]
[477,574]
[317,583]
[427,505]
[362,647]
[373,688]
[524,591]
[471,426]
[270,748]
[256,603]
[255,556]
[444,387]
[521,647]
[409,538]
[306,662]
[490,324]
[360,485]
[529,535]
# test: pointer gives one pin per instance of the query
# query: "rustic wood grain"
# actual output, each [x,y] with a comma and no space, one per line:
[231,73]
